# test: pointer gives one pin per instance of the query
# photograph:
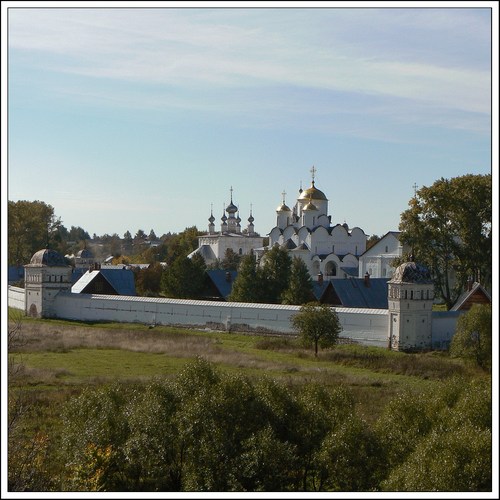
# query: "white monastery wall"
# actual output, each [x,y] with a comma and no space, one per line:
[366,326]
[444,324]
[362,325]
[16,297]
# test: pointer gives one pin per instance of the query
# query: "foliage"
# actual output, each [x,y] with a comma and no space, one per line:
[273,275]
[351,458]
[231,260]
[448,227]
[300,285]
[472,339]
[439,440]
[317,324]
[28,448]
[182,244]
[32,225]
[184,278]
[245,287]
[148,280]
[207,431]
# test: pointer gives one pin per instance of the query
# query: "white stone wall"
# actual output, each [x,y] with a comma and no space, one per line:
[444,324]
[366,326]
[16,297]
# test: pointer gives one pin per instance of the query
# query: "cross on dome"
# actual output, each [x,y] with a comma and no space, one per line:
[283,194]
[313,173]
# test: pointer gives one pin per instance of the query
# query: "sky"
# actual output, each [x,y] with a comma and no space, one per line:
[146,117]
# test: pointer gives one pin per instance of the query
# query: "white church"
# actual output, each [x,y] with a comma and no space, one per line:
[330,251]
[306,231]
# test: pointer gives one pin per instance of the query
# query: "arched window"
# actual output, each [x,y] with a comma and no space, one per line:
[331,269]
[240,251]
[386,249]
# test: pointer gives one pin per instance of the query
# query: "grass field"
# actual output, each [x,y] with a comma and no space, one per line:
[62,356]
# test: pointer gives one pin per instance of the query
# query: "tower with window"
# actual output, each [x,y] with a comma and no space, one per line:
[411,295]
[45,276]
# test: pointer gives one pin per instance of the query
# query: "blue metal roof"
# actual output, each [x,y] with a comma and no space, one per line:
[16,273]
[218,277]
[122,280]
[352,292]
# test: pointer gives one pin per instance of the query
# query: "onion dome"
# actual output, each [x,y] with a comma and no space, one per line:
[312,193]
[283,208]
[251,219]
[223,218]
[310,206]
[411,272]
[231,208]
[211,219]
[47,257]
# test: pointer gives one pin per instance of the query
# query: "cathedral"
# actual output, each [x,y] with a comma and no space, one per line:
[330,251]
[306,231]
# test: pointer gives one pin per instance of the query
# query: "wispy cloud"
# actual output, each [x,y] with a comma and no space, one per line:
[359,51]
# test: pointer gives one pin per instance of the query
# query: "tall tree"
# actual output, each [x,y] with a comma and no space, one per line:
[274,274]
[318,325]
[148,280]
[245,287]
[300,285]
[184,278]
[448,227]
[32,225]
[231,260]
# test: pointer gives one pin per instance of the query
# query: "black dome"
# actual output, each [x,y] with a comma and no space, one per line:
[47,257]
[411,272]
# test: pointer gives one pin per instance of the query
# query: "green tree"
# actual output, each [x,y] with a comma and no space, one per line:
[318,325]
[32,225]
[245,287]
[231,260]
[95,431]
[181,245]
[273,275]
[184,278]
[350,458]
[300,285]
[472,339]
[448,227]
[447,434]
[148,280]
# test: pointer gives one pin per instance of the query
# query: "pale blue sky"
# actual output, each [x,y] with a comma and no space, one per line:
[142,118]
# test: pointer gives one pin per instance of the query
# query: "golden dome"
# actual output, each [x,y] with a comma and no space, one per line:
[283,208]
[312,193]
[310,206]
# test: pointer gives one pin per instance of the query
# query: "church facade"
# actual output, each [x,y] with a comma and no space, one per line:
[330,251]
[213,245]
